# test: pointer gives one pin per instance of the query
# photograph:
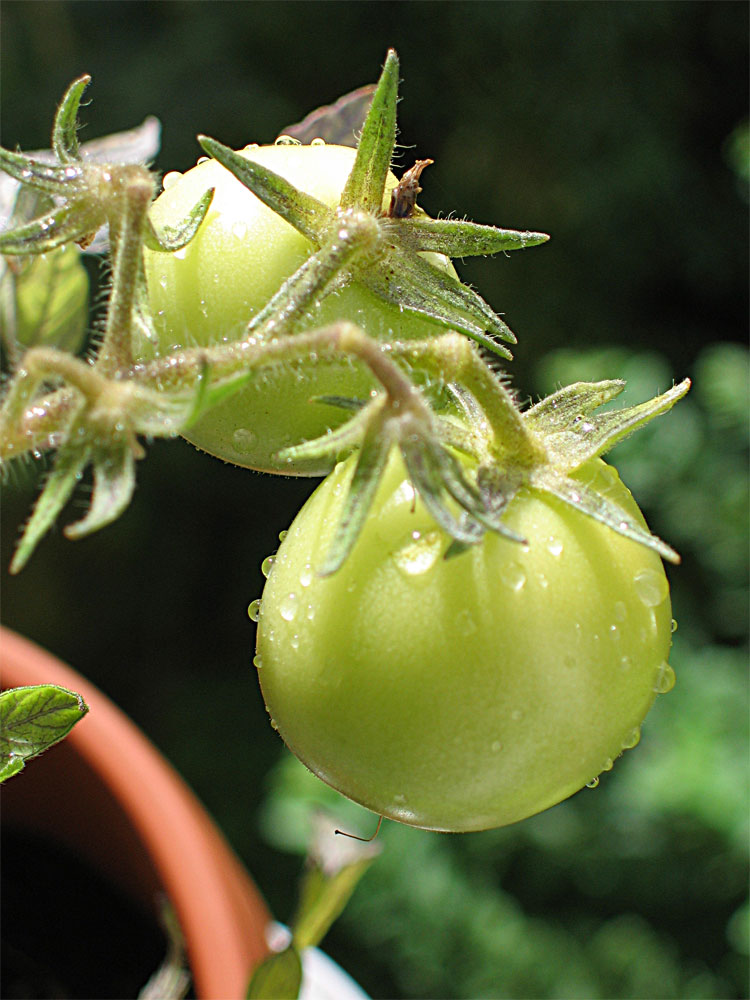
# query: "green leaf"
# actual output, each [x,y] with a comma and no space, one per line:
[365,185]
[64,137]
[32,719]
[278,977]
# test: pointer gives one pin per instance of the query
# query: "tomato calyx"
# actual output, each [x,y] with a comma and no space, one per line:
[510,449]
[387,258]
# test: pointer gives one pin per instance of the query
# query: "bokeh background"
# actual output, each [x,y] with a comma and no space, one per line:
[621,129]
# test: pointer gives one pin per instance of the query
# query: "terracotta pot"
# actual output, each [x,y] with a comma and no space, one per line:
[106,793]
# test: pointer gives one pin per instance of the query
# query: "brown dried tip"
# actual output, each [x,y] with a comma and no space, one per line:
[404,195]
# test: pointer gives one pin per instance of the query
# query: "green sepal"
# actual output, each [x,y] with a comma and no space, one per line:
[365,185]
[52,178]
[279,977]
[64,132]
[587,501]
[32,719]
[72,459]
[460,238]
[588,435]
[371,461]
[415,285]
[170,238]
[63,225]
[558,410]
[308,215]
[114,482]
[332,447]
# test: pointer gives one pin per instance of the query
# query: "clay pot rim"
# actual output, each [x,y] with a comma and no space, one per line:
[219,908]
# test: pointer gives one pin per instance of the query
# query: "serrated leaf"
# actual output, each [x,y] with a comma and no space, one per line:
[32,719]
[279,977]
[365,185]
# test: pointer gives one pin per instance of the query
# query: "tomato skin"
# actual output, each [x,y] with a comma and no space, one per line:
[468,693]
[241,255]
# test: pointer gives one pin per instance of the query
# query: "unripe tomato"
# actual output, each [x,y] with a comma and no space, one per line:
[466,693]
[240,257]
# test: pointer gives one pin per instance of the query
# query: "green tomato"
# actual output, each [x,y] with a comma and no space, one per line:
[241,255]
[465,693]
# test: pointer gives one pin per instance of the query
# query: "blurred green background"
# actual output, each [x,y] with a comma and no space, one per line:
[621,129]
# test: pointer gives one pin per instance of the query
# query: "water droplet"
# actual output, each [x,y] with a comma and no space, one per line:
[202,159]
[244,439]
[419,553]
[163,281]
[625,662]
[651,586]
[274,725]
[674,625]
[554,546]
[513,576]
[283,534]
[310,612]
[543,581]
[257,661]
[665,678]
[294,641]
[399,799]
[180,254]
[287,140]
[306,575]
[593,783]
[632,738]
[265,566]
[239,230]
[608,764]
[620,611]
[253,610]
[288,607]
[318,142]
[614,632]
[496,746]
[251,145]
[517,714]
[171,179]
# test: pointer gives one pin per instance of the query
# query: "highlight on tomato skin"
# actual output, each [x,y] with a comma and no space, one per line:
[240,257]
[466,693]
